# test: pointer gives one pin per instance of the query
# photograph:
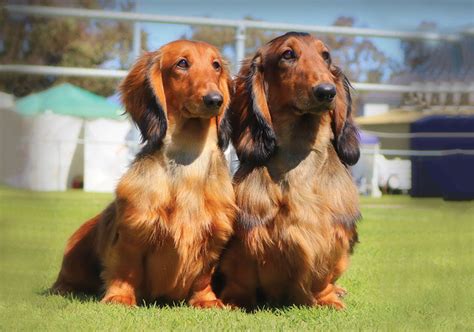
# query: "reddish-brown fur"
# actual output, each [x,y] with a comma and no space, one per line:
[174,208]
[297,201]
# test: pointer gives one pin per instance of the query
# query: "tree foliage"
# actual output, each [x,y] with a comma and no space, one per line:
[417,52]
[65,42]
[359,57]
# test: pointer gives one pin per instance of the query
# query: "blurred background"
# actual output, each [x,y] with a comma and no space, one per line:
[411,64]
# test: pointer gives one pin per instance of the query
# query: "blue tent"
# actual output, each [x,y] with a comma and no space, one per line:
[367,138]
[449,176]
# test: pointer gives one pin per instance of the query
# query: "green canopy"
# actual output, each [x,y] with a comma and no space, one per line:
[68,99]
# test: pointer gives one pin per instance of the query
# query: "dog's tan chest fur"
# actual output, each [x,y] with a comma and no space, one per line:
[173,216]
[294,219]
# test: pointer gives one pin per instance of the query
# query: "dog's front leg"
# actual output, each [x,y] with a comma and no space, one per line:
[123,273]
[202,295]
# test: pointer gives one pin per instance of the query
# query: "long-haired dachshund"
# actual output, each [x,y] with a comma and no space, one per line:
[294,135]
[174,208]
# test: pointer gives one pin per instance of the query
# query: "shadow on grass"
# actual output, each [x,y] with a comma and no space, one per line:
[71,297]
[85,298]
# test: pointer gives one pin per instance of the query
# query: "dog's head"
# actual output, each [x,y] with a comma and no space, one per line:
[292,73]
[183,79]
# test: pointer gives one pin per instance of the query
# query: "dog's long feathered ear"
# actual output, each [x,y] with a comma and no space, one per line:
[144,98]
[224,129]
[346,135]
[254,137]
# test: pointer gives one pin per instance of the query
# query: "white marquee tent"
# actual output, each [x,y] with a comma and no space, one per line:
[61,136]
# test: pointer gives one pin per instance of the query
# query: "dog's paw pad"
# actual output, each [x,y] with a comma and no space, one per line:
[209,304]
[119,299]
[341,292]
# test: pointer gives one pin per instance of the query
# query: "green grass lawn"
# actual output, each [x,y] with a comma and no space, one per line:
[413,270]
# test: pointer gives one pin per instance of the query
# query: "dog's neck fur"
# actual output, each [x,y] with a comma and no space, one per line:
[186,167]
[189,139]
[304,170]
[189,151]
[298,136]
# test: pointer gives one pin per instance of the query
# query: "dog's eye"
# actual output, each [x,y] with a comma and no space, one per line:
[183,64]
[288,55]
[326,56]
[216,65]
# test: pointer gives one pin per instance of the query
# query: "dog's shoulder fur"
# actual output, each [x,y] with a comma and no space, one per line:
[164,194]
[317,191]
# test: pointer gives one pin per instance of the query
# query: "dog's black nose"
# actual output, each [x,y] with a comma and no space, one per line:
[324,92]
[213,100]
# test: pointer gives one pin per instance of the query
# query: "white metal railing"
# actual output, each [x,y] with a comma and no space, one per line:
[421,135]
[240,25]
[419,153]
[389,152]
[114,73]
[62,71]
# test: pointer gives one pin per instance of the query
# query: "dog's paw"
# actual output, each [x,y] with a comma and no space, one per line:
[331,300]
[205,304]
[120,299]
[340,291]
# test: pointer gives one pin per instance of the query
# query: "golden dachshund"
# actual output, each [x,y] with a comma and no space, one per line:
[174,208]
[294,135]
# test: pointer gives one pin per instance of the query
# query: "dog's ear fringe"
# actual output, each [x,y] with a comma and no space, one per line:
[262,142]
[348,144]
[142,103]
[224,127]
[346,139]
[153,123]
[224,130]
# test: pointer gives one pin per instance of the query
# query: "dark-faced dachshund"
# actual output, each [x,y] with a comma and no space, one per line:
[295,137]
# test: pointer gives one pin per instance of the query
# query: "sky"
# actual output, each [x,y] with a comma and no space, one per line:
[450,15]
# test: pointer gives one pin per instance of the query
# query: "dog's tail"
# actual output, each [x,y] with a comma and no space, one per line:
[81,267]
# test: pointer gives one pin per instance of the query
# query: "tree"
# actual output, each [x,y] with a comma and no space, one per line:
[65,42]
[359,57]
[435,62]
[417,52]
[224,38]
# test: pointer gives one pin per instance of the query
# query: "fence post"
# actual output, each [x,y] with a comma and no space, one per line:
[137,38]
[239,46]
[374,182]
